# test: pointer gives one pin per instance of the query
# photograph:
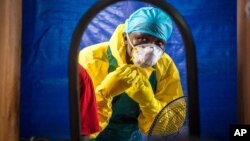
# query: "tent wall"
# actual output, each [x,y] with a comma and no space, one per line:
[47,31]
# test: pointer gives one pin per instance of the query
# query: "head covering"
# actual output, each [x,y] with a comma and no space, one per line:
[149,20]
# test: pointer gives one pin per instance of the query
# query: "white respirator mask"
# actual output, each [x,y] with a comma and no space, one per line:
[145,55]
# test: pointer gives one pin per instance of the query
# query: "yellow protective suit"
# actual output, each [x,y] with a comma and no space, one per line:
[94,59]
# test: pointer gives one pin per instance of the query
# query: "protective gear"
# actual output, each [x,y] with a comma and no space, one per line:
[145,55]
[143,94]
[95,60]
[118,128]
[150,20]
[117,81]
[141,91]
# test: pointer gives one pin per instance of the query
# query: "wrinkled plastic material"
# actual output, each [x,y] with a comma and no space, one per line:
[47,31]
[149,20]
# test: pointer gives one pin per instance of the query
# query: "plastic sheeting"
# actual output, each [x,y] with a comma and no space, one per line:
[47,31]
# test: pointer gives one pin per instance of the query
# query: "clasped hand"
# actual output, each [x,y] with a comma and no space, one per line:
[131,79]
[119,80]
[141,92]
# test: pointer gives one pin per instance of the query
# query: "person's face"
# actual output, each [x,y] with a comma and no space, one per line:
[140,38]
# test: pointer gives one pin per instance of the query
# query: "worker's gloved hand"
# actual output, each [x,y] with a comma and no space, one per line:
[142,92]
[118,81]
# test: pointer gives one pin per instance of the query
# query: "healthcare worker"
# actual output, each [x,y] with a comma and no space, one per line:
[132,76]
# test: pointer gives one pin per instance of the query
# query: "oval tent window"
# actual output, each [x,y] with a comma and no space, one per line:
[84,35]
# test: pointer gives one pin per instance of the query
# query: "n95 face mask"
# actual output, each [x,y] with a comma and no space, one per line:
[146,55]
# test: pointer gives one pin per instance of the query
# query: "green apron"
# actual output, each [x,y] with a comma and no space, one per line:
[125,111]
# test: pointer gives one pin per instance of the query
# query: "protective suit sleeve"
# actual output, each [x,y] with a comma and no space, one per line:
[168,89]
[97,68]
[113,84]
[142,93]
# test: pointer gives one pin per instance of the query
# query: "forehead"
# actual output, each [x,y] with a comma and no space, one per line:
[144,35]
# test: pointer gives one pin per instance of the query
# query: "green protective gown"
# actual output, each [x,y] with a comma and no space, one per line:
[121,112]
[123,121]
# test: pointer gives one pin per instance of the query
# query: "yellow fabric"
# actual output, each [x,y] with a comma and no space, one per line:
[118,81]
[94,60]
[143,94]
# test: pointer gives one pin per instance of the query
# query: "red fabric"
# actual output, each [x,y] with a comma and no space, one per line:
[89,117]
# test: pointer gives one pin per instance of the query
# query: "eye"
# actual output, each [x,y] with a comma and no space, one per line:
[142,39]
[160,43]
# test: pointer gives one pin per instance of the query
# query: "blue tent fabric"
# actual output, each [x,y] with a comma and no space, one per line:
[46,35]
[213,25]
[48,27]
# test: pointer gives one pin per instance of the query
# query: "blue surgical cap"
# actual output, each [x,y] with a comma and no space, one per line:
[149,20]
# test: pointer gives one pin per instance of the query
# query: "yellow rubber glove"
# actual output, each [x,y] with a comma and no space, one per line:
[118,81]
[142,92]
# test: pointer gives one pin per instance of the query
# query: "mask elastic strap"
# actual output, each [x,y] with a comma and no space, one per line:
[134,48]
[129,41]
